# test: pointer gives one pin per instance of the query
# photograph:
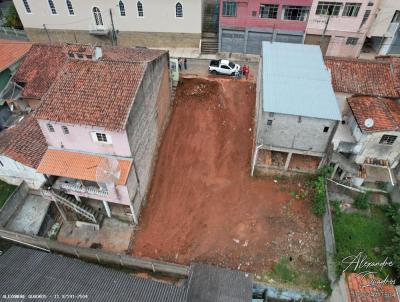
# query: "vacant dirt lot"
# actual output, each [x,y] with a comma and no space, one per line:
[204,206]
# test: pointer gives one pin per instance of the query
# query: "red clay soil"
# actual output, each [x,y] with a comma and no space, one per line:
[204,206]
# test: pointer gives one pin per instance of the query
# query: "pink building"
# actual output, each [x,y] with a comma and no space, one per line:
[340,27]
[102,117]
[244,24]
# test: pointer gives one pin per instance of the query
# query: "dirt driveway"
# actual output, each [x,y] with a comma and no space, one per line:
[204,206]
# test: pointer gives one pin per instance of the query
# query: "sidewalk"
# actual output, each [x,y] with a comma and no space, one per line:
[194,53]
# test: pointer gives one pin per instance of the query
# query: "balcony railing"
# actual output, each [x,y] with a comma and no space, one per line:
[84,189]
[99,30]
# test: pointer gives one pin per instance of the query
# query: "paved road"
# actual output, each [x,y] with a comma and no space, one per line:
[200,67]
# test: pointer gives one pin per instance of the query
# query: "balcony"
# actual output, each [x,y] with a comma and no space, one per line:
[99,30]
[77,187]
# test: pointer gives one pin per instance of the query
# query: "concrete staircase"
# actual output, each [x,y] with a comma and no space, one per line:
[173,91]
[84,212]
[209,43]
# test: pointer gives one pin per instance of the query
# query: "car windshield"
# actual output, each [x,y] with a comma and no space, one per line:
[231,65]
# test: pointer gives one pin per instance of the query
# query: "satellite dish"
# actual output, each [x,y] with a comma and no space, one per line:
[108,171]
[369,123]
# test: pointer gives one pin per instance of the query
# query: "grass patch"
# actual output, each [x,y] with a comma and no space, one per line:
[283,272]
[356,233]
[5,191]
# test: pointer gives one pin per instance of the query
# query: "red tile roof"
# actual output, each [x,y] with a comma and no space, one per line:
[24,142]
[360,289]
[12,51]
[78,165]
[95,93]
[384,112]
[131,54]
[366,77]
[39,69]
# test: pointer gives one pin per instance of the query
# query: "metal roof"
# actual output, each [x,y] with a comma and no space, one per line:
[212,284]
[297,82]
[30,272]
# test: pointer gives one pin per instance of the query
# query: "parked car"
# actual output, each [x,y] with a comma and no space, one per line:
[223,67]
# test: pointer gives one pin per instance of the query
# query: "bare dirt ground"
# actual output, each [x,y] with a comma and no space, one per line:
[204,206]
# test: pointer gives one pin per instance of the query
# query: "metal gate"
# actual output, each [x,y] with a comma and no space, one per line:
[288,38]
[254,41]
[232,41]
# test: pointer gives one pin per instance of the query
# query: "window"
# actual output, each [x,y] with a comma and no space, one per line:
[396,17]
[351,41]
[229,9]
[387,139]
[271,114]
[65,129]
[178,10]
[50,127]
[52,7]
[70,8]
[328,8]
[122,9]
[351,9]
[326,129]
[254,13]
[299,119]
[269,122]
[295,13]
[97,16]
[140,9]
[27,7]
[370,3]
[366,16]
[268,11]
[101,137]
[1,163]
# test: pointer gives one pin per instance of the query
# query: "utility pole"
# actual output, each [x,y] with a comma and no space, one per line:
[47,32]
[323,33]
[113,34]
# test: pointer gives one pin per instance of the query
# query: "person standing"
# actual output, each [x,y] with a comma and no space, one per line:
[180,63]
[247,72]
[185,63]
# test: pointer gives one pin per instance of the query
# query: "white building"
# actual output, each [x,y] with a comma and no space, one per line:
[166,23]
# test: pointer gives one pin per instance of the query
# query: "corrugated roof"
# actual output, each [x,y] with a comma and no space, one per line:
[78,165]
[211,284]
[30,272]
[296,81]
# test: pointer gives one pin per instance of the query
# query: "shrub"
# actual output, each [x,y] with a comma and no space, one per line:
[361,201]
[393,248]
[318,205]
[12,18]
[283,272]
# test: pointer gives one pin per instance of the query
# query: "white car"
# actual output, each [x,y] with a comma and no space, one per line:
[223,67]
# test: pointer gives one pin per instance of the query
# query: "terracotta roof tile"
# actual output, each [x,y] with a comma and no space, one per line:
[95,93]
[78,165]
[39,69]
[361,291]
[24,142]
[376,78]
[131,54]
[11,51]
[384,112]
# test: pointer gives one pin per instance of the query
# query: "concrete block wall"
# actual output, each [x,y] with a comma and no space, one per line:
[287,131]
[146,124]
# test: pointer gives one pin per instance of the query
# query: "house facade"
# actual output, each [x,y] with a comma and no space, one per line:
[340,27]
[245,24]
[297,112]
[384,34]
[162,24]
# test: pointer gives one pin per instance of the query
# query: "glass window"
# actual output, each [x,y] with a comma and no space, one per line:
[52,7]
[328,8]
[295,13]
[179,10]
[351,9]
[27,7]
[70,8]
[387,139]
[65,129]
[140,9]
[101,137]
[229,9]
[97,16]
[365,17]
[351,41]
[122,9]
[269,11]
[50,127]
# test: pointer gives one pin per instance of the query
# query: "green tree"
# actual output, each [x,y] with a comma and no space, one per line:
[12,18]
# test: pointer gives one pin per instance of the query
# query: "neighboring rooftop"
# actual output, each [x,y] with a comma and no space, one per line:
[78,165]
[131,54]
[24,142]
[385,113]
[39,69]
[12,51]
[366,77]
[296,81]
[26,271]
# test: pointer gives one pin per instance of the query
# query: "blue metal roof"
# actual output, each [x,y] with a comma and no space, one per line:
[296,81]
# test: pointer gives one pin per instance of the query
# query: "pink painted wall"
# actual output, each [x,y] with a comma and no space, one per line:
[244,16]
[79,138]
